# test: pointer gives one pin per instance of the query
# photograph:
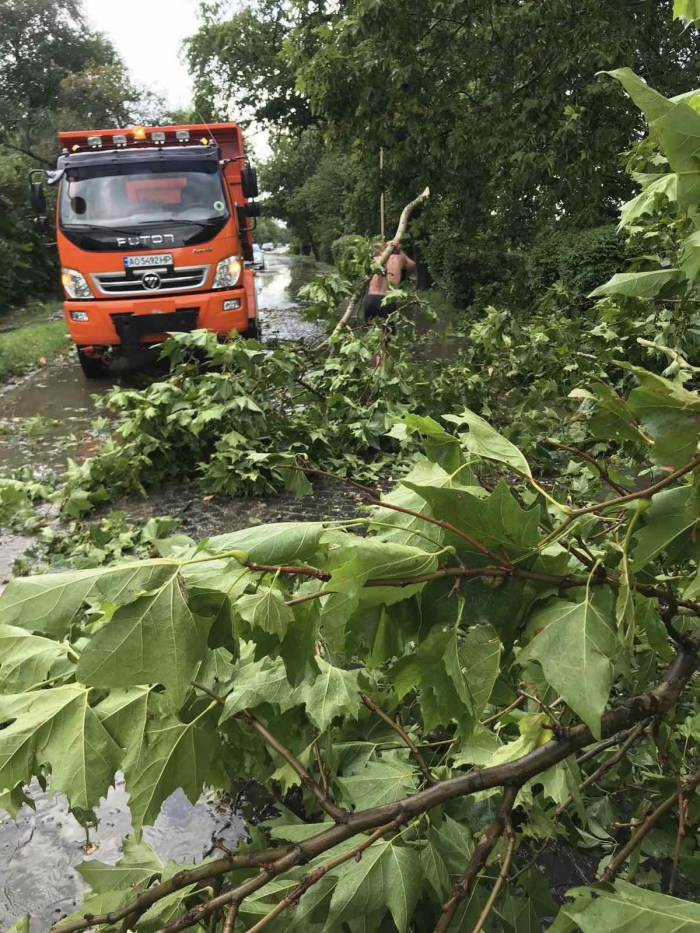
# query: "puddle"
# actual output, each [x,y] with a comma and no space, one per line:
[39,852]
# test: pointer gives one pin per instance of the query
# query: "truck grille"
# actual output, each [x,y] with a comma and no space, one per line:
[181,279]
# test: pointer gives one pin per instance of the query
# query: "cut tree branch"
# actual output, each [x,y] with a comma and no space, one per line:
[594,463]
[336,813]
[398,236]
[400,731]
[464,884]
[291,899]
[614,867]
[638,708]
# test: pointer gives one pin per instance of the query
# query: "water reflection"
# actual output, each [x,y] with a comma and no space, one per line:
[39,852]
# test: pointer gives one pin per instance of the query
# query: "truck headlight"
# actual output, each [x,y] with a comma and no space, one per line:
[228,272]
[75,285]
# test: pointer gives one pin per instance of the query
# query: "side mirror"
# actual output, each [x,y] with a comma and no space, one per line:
[253,209]
[37,198]
[249,182]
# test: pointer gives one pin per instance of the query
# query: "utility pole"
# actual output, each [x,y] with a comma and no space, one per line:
[381,197]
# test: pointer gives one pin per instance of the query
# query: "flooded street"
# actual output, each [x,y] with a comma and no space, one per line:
[39,851]
[57,403]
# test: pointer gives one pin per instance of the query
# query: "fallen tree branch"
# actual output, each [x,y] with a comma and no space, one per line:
[464,884]
[638,708]
[324,801]
[614,867]
[550,442]
[291,899]
[502,875]
[398,236]
[400,731]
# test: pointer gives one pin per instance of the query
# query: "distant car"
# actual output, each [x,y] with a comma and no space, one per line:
[258,258]
[268,247]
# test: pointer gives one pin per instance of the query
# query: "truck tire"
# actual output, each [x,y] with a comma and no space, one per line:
[92,368]
[253,331]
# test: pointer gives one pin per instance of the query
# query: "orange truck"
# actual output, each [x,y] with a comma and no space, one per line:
[153,227]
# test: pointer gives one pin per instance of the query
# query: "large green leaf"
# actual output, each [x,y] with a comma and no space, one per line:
[672,512]
[50,602]
[334,692]
[480,659]
[265,681]
[380,782]
[436,669]
[455,843]
[170,755]
[575,648]
[154,639]
[440,446]
[353,560]
[627,907]
[387,875]
[658,190]
[424,473]
[485,441]
[135,868]
[689,10]
[650,102]
[433,865]
[669,414]
[638,284]
[266,610]
[279,543]
[493,521]
[25,659]
[57,728]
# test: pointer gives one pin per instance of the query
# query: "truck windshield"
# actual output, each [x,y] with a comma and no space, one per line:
[135,194]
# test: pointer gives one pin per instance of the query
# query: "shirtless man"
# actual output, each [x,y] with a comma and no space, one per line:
[396,266]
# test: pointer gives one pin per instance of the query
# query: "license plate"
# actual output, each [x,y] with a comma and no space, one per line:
[155,259]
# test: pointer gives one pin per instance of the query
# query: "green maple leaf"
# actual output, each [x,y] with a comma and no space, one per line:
[380,782]
[266,610]
[353,560]
[277,543]
[154,639]
[485,441]
[170,755]
[49,602]
[57,728]
[494,521]
[263,681]
[387,875]
[627,907]
[480,659]
[25,659]
[433,867]
[135,868]
[333,693]
[575,650]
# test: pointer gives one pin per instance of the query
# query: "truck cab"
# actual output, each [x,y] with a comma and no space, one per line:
[154,230]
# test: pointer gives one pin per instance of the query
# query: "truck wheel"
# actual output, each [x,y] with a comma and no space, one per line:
[92,368]
[253,331]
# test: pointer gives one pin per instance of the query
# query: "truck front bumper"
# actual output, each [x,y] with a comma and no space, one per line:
[133,322]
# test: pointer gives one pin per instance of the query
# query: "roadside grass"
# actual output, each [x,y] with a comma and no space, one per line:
[30,337]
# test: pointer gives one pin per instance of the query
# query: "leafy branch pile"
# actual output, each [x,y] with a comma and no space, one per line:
[234,414]
[484,672]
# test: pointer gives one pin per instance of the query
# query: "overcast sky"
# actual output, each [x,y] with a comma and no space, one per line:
[148,34]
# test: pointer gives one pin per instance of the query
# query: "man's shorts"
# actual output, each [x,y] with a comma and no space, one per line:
[375,309]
